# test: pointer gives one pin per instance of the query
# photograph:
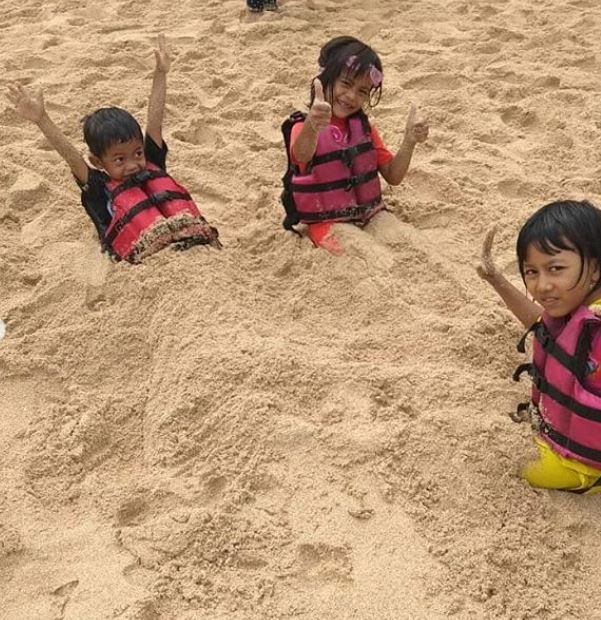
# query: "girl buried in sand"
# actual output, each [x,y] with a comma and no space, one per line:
[335,155]
[136,206]
[559,257]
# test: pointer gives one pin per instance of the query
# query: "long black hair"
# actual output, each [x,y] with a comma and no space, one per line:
[563,225]
[351,55]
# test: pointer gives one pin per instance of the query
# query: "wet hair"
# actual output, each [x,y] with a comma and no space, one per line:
[333,61]
[108,126]
[563,225]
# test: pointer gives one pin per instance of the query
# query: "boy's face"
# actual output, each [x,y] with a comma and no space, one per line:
[122,159]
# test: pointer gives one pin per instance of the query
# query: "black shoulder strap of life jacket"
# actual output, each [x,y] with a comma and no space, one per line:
[576,363]
[137,180]
[291,218]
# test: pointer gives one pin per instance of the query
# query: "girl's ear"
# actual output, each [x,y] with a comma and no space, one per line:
[95,161]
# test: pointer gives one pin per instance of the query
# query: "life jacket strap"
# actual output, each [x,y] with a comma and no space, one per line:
[346,155]
[543,386]
[346,184]
[151,201]
[570,444]
[522,343]
[136,180]
[349,213]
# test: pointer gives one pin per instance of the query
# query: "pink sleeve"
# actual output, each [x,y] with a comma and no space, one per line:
[383,154]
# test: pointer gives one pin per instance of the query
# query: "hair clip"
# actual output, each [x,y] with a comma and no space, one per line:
[375,74]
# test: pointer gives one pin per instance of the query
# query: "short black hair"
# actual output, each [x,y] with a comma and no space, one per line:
[334,60]
[108,126]
[563,225]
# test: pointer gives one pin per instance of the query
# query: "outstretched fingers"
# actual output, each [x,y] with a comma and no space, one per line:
[487,265]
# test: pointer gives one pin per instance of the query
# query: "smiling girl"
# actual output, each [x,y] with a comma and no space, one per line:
[559,257]
[335,153]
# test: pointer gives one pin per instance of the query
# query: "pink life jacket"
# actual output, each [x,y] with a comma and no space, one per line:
[570,414]
[139,202]
[342,182]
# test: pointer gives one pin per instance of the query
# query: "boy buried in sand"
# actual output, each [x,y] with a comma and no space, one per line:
[335,155]
[136,206]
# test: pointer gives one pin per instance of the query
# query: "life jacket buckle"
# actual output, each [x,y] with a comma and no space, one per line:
[347,157]
[352,182]
[522,413]
[528,412]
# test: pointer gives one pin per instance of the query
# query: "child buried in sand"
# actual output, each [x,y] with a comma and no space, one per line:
[335,155]
[559,258]
[137,208]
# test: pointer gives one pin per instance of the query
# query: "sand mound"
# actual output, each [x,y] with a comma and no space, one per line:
[269,431]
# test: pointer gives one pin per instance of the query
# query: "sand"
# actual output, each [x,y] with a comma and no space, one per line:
[269,431]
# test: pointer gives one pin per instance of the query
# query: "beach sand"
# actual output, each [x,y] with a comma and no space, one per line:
[269,431]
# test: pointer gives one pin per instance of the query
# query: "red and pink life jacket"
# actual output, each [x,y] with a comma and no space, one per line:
[570,413]
[341,183]
[140,202]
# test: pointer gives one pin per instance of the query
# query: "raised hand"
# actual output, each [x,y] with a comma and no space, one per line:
[163,60]
[27,105]
[321,111]
[416,129]
[487,269]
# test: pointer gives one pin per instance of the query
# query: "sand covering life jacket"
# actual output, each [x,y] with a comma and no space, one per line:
[142,201]
[569,414]
[341,183]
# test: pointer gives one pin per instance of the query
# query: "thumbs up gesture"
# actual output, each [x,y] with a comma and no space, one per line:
[416,129]
[321,111]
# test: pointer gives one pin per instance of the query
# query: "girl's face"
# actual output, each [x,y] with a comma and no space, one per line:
[349,93]
[554,280]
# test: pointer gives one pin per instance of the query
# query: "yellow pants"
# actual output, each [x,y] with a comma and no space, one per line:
[553,471]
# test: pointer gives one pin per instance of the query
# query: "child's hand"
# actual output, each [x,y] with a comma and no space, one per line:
[163,60]
[321,111]
[28,106]
[487,269]
[416,129]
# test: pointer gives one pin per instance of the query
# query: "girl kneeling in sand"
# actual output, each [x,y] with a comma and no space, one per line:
[136,206]
[335,155]
[559,257]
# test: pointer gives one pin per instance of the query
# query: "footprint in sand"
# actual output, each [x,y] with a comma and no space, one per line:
[518,117]
[322,562]
[131,511]
[201,134]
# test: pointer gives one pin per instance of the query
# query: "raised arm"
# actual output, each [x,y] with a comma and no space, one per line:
[416,130]
[31,107]
[318,118]
[158,93]
[526,311]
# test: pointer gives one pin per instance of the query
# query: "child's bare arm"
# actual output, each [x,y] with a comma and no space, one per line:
[31,107]
[416,131]
[526,311]
[158,93]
